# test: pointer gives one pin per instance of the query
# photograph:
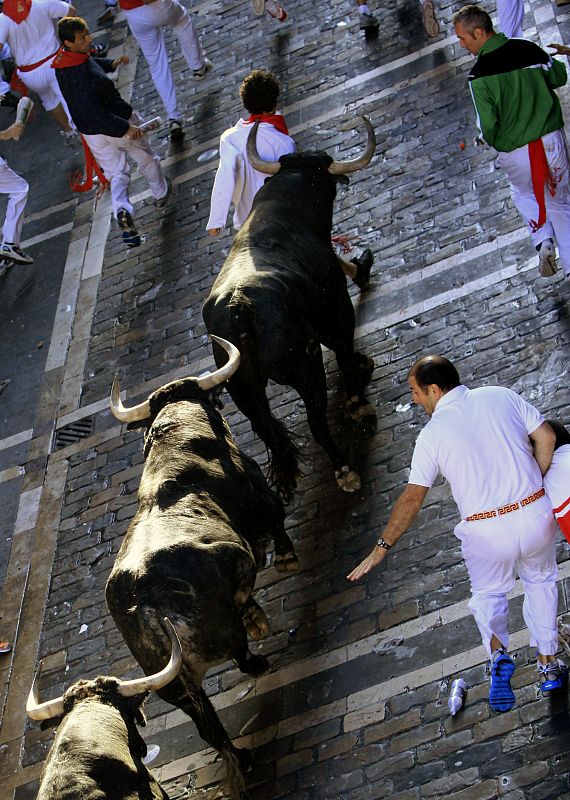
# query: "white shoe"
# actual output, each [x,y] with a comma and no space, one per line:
[258,7]
[547,259]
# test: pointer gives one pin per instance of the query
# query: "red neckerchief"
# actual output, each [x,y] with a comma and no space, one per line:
[17,10]
[277,120]
[542,179]
[65,58]
[128,5]
[83,183]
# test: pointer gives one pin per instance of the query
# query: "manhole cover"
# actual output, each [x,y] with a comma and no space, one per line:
[72,433]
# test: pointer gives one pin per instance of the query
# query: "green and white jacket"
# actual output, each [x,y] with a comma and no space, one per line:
[512,84]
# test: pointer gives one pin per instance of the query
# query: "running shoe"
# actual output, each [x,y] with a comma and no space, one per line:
[501,695]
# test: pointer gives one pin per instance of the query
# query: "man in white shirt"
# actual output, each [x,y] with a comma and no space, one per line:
[478,439]
[28,28]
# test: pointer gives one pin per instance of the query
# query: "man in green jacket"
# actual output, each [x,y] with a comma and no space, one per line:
[518,113]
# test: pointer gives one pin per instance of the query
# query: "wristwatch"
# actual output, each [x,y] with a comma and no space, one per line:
[383,544]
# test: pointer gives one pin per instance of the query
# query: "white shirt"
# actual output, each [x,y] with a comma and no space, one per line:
[236,181]
[557,485]
[478,440]
[35,37]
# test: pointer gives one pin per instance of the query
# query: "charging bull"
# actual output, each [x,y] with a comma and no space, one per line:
[192,551]
[280,294]
[97,752]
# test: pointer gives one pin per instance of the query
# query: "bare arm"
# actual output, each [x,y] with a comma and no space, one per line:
[403,514]
[543,439]
[13,132]
[72,12]
[561,49]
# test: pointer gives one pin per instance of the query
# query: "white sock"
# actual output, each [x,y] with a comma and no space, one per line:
[364,9]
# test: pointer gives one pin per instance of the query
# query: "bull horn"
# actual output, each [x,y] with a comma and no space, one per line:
[223,373]
[37,710]
[134,414]
[267,167]
[155,682]
[354,164]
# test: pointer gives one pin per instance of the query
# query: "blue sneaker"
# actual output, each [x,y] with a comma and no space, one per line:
[552,676]
[501,696]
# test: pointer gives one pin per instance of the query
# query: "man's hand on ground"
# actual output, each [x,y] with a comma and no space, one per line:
[376,557]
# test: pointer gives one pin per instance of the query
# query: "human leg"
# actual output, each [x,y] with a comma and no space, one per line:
[538,572]
[145,25]
[517,167]
[148,163]
[116,167]
[558,206]
[184,29]
[17,189]
[43,82]
[511,13]
[490,555]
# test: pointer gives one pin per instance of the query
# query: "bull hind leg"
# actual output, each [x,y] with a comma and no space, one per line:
[311,385]
[236,760]
[284,455]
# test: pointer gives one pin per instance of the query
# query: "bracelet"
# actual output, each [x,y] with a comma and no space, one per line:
[382,543]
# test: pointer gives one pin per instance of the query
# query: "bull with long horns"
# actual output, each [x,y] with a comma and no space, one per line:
[280,295]
[194,547]
[97,753]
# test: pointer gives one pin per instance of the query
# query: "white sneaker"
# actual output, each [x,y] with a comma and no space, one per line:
[547,259]
[12,251]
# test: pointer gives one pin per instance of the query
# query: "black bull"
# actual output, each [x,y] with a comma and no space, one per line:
[192,552]
[281,294]
[97,752]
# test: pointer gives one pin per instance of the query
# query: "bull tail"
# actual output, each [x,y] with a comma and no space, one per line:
[247,388]
[209,727]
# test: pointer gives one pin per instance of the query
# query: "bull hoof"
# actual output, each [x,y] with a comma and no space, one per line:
[356,409]
[253,665]
[255,621]
[286,563]
[347,480]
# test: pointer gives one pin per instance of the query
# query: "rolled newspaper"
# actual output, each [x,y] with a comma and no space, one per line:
[151,125]
[23,110]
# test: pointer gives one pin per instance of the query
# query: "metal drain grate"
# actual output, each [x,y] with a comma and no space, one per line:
[72,433]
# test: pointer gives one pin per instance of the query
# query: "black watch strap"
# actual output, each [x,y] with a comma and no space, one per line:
[383,544]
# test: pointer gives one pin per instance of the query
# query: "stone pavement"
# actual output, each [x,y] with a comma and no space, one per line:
[355,704]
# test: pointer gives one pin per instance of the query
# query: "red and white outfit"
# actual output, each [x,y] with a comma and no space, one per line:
[146,22]
[17,189]
[557,225]
[33,43]
[236,180]
[557,485]
[478,440]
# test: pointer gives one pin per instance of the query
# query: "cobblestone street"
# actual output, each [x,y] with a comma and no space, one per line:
[354,706]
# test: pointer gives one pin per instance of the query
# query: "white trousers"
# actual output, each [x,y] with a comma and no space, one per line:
[146,23]
[511,13]
[43,82]
[17,189]
[111,154]
[492,549]
[557,226]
